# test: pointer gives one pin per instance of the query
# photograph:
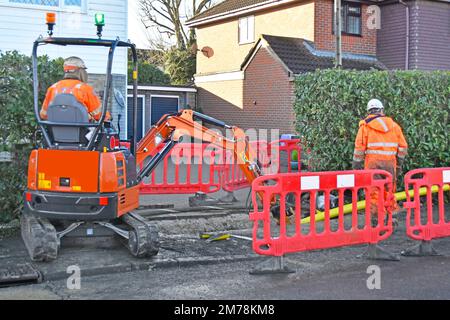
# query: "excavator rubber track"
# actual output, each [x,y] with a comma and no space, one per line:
[40,238]
[143,237]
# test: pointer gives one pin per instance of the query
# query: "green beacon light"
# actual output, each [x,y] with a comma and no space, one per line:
[99,22]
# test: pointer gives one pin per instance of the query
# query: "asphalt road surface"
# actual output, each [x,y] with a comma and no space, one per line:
[325,274]
[322,274]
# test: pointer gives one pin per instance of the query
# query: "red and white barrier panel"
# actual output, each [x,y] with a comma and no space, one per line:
[187,169]
[286,193]
[434,184]
[271,156]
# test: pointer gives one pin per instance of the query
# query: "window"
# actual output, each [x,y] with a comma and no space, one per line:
[351,22]
[51,3]
[246,30]
[351,18]
[74,3]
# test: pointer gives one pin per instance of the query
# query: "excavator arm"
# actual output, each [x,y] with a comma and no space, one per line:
[173,127]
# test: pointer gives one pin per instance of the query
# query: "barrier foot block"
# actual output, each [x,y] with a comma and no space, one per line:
[201,199]
[229,198]
[375,252]
[272,266]
[424,248]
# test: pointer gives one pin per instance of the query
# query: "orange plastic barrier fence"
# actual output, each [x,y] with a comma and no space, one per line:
[288,192]
[271,157]
[188,168]
[434,223]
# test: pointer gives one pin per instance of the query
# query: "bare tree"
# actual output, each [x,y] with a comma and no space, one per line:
[167,16]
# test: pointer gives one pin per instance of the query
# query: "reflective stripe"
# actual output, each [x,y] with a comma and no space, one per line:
[63,90]
[383,144]
[402,149]
[358,152]
[401,156]
[97,111]
[78,86]
[383,124]
[70,68]
[386,153]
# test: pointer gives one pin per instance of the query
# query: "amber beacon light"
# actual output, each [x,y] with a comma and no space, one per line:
[50,19]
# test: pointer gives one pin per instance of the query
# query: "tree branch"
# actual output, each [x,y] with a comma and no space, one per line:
[200,7]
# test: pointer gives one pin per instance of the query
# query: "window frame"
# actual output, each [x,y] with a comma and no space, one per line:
[247,40]
[81,7]
[346,13]
[61,7]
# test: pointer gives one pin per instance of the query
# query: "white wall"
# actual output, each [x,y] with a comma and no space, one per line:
[21,24]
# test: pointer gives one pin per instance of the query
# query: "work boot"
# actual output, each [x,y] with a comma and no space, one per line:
[396,217]
[289,220]
[394,223]
[374,221]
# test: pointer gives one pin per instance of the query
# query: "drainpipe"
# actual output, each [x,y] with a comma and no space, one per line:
[407,35]
[338,32]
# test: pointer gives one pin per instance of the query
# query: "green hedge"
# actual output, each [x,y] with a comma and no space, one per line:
[330,103]
[148,73]
[180,65]
[18,124]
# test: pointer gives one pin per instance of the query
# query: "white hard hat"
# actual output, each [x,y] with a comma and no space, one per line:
[374,104]
[73,63]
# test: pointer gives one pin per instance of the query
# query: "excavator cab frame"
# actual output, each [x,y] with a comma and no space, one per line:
[92,42]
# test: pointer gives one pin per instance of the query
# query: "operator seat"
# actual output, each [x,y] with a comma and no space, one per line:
[66,108]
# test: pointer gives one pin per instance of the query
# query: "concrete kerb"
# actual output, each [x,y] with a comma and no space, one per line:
[150,265]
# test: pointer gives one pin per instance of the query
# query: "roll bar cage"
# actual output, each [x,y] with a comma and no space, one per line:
[112,45]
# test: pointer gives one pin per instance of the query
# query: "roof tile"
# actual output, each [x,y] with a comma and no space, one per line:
[227,6]
[296,55]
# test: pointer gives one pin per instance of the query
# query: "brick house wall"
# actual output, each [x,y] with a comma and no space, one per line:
[267,98]
[268,94]
[324,37]
[216,106]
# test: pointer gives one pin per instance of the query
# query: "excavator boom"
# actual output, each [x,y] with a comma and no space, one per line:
[172,128]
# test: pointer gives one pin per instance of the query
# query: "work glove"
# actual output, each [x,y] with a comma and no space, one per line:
[357,165]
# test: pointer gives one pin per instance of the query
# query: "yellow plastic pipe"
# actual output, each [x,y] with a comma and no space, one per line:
[348,208]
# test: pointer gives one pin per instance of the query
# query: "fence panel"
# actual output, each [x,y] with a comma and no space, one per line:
[299,195]
[188,168]
[435,223]
[271,157]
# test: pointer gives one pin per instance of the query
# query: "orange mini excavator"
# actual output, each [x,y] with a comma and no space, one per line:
[78,182]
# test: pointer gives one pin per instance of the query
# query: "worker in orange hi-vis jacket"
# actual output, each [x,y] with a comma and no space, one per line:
[75,82]
[379,144]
